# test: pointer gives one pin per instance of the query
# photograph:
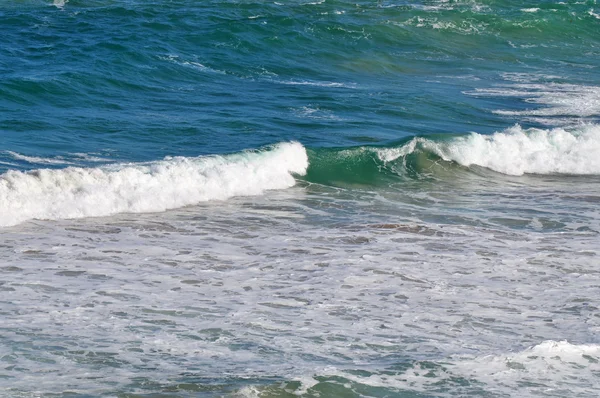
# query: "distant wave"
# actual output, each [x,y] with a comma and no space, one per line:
[68,159]
[36,159]
[552,99]
[76,192]
[315,83]
[60,3]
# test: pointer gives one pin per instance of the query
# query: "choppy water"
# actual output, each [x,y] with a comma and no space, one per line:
[320,199]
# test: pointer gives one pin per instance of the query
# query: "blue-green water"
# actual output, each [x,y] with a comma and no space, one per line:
[299,198]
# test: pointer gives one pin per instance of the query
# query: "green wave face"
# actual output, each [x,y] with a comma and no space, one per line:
[375,166]
[344,167]
[514,152]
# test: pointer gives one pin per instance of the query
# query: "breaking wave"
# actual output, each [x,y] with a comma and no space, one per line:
[514,151]
[76,192]
[551,368]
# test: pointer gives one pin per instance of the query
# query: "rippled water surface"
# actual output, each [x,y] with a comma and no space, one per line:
[318,199]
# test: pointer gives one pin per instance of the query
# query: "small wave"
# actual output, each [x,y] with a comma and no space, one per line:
[10,164]
[191,64]
[523,77]
[463,27]
[551,368]
[60,3]
[551,99]
[545,366]
[593,14]
[315,83]
[37,160]
[68,159]
[76,192]
[89,157]
[516,151]
[445,5]
[316,113]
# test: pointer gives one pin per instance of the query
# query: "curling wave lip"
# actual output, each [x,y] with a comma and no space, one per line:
[516,151]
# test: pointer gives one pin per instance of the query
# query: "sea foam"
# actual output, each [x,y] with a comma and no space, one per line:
[76,192]
[516,151]
[60,3]
[540,368]
[550,100]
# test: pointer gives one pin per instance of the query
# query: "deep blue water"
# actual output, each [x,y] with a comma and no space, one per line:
[181,78]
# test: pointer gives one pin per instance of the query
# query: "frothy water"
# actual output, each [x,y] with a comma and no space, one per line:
[516,151]
[60,3]
[303,198]
[307,290]
[77,192]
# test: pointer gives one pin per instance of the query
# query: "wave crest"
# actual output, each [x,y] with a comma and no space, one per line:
[76,192]
[516,151]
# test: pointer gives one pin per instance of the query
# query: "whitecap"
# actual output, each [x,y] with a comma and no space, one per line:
[60,3]
[76,192]
[516,151]
[37,159]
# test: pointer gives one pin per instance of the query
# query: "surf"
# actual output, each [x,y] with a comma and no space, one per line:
[76,192]
[515,151]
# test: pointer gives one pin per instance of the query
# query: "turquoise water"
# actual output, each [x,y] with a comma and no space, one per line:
[299,198]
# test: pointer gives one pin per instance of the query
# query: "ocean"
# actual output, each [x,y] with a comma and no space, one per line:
[299,198]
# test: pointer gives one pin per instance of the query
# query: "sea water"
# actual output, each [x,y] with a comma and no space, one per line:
[234,198]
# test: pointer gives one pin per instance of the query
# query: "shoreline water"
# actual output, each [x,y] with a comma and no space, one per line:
[317,199]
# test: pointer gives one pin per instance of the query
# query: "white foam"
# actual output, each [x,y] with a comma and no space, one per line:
[316,113]
[146,187]
[464,27]
[36,159]
[542,361]
[593,14]
[314,3]
[553,99]
[87,157]
[60,3]
[272,288]
[191,64]
[517,151]
[315,83]
[550,367]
